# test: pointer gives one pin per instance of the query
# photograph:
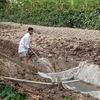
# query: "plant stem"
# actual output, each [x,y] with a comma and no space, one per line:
[86,2]
[72,4]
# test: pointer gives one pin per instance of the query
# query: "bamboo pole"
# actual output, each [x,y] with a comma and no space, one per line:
[70,81]
[27,81]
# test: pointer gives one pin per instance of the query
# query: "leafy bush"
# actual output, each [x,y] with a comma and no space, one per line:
[8,92]
[49,15]
[3,3]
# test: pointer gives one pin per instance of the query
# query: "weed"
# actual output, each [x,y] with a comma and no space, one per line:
[67,98]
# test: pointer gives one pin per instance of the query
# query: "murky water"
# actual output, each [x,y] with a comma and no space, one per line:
[83,87]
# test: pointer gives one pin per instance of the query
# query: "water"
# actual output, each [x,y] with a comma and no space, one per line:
[83,87]
[45,62]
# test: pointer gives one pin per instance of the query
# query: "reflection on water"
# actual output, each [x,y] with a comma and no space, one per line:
[83,87]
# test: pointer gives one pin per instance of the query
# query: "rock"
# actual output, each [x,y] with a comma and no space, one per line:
[50,55]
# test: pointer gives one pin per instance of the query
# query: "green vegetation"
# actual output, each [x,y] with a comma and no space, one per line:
[70,13]
[67,98]
[3,3]
[8,92]
[59,4]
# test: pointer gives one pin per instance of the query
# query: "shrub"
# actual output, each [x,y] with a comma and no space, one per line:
[3,3]
[8,92]
[49,16]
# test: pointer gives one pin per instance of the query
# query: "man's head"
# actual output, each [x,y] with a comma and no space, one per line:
[30,30]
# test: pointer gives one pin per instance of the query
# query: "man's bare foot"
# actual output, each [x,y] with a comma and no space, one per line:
[25,70]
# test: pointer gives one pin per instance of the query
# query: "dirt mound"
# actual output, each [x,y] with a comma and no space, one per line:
[9,48]
[71,51]
[68,53]
[64,54]
[8,68]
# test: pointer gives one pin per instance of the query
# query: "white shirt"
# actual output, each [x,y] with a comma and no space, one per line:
[24,43]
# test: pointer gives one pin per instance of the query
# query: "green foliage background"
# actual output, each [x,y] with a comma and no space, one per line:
[70,13]
[3,3]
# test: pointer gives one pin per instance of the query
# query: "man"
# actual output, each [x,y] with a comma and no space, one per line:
[24,48]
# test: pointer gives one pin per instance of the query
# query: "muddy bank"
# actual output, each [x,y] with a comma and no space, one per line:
[9,48]
[66,53]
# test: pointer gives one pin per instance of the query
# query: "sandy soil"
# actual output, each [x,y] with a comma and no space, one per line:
[67,46]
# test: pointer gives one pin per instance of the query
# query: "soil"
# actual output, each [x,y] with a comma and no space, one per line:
[64,47]
[36,91]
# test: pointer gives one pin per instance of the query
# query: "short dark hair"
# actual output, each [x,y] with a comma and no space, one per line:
[30,28]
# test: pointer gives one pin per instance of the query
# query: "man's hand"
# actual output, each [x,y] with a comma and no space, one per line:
[32,50]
